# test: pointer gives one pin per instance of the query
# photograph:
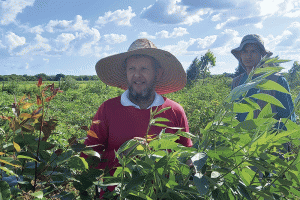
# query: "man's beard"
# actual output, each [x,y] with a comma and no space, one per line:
[139,97]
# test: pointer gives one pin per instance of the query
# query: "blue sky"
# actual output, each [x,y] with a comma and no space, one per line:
[69,37]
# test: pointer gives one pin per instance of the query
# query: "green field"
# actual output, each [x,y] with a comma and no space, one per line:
[222,153]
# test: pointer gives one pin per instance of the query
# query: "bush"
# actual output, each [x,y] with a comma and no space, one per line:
[68,83]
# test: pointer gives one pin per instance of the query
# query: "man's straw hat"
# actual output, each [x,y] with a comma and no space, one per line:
[112,72]
[247,39]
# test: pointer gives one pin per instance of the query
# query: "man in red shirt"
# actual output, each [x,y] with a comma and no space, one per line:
[144,72]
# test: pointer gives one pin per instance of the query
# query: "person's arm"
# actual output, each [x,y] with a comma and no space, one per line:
[286,101]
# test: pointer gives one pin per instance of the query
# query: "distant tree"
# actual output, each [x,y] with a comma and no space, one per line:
[207,61]
[59,76]
[43,76]
[193,72]
[294,75]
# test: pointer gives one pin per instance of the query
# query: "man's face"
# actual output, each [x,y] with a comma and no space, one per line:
[250,55]
[140,76]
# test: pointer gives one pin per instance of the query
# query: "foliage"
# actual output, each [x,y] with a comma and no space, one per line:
[32,163]
[233,160]
[68,83]
[294,75]
[200,68]
[40,146]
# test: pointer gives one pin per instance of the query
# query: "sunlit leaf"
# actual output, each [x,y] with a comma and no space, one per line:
[267,69]
[17,147]
[5,162]
[8,171]
[92,134]
[268,98]
[160,125]
[161,119]
[26,157]
[25,115]
[91,153]
[162,110]
[27,105]
[242,108]
[1,153]
[265,111]
[38,194]
[140,148]
[272,85]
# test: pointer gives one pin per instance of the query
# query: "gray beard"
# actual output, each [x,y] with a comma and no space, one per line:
[144,96]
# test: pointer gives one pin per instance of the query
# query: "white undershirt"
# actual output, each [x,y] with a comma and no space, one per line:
[125,101]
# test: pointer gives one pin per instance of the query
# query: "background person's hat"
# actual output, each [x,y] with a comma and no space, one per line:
[252,38]
[112,72]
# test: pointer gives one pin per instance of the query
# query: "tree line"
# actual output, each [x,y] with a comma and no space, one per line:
[57,77]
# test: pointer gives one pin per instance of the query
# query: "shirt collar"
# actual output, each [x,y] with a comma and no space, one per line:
[158,100]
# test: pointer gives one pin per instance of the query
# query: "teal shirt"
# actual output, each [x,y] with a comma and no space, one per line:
[284,98]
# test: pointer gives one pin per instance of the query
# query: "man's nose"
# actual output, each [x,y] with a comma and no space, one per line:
[137,73]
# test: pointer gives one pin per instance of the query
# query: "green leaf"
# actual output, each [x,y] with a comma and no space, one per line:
[267,69]
[268,98]
[78,163]
[185,134]
[162,162]
[252,103]
[4,191]
[160,125]
[201,183]
[295,192]
[272,85]
[199,160]
[128,144]
[247,175]
[265,112]
[8,171]
[38,194]
[91,153]
[242,108]
[161,119]
[162,110]
[26,157]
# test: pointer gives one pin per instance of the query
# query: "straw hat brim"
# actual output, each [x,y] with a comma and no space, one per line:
[237,51]
[112,72]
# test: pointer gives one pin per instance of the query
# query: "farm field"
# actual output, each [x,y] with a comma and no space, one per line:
[62,174]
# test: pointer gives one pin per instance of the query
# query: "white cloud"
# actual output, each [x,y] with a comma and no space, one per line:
[40,46]
[206,42]
[11,8]
[177,32]
[63,40]
[37,29]
[115,38]
[46,60]
[119,17]
[27,66]
[146,35]
[180,48]
[90,47]
[171,12]
[63,25]
[216,17]
[14,40]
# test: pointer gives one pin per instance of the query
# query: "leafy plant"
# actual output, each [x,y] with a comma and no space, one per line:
[33,165]
[232,160]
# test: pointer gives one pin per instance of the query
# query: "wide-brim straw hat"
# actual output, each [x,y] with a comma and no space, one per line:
[111,69]
[247,39]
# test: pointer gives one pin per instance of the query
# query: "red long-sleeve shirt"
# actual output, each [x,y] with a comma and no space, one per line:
[120,123]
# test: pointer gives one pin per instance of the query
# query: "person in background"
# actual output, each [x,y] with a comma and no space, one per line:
[145,73]
[249,54]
